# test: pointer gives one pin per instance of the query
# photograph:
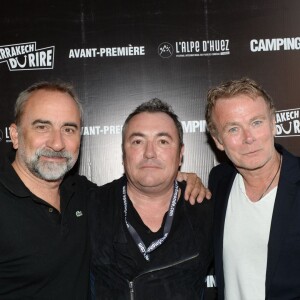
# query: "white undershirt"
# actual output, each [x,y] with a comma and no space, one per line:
[245,244]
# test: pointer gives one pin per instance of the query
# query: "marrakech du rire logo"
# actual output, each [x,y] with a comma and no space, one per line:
[288,122]
[25,56]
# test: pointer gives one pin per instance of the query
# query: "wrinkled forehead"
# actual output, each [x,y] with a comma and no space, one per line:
[240,108]
[51,104]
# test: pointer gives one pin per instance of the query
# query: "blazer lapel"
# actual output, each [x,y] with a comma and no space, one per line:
[221,196]
[284,201]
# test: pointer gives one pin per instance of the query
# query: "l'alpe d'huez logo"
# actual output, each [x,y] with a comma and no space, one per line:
[194,48]
[25,56]
[165,50]
[288,122]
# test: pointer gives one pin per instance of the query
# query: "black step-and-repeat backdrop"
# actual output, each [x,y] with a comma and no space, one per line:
[118,54]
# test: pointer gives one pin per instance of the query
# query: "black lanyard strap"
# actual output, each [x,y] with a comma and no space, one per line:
[169,220]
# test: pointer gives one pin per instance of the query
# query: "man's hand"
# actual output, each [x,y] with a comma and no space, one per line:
[195,190]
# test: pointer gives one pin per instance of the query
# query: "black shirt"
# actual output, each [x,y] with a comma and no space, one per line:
[44,254]
[177,268]
[147,237]
[144,232]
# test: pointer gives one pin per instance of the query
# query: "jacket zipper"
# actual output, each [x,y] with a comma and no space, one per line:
[131,290]
[131,283]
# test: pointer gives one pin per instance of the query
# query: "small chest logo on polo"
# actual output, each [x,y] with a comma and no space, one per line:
[79,213]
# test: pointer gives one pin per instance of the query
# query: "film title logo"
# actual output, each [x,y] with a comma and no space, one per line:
[288,123]
[277,44]
[25,56]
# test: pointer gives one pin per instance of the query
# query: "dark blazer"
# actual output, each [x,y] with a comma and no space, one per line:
[283,265]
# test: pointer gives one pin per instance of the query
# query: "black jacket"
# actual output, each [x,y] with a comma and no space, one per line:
[283,263]
[177,268]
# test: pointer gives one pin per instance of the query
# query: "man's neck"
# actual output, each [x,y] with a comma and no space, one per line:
[45,190]
[150,206]
[259,182]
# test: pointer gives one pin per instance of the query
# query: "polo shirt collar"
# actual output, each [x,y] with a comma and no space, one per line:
[10,179]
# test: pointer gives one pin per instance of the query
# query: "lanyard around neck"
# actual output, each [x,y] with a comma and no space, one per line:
[169,219]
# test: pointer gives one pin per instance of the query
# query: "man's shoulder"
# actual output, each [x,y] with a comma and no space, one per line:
[11,182]
[200,216]
[105,202]
[222,169]
[286,154]
[117,183]
[71,179]
[290,169]
[108,193]
[219,173]
[197,211]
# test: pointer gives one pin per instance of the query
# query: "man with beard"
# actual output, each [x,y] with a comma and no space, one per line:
[43,221]
[44,249]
